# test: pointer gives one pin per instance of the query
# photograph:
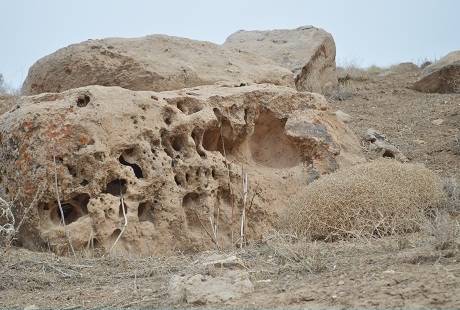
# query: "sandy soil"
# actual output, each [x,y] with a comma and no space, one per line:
[394,272]
[405,116]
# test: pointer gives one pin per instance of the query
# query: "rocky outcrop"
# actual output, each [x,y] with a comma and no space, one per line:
[441,77]
[309,52]
[201,289]
[161,171]
[156,62]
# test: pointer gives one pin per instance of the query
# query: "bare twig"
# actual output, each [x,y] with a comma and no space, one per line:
[56,187]
[204,228]
[243,211]
[232,224]
[10,229]
[125,221]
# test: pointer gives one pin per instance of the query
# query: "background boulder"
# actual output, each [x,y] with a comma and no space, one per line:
[156,62]
[442,76]
[309,52]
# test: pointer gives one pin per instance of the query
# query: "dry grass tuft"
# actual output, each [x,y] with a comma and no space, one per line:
[444,228]
[297,254]
[7,223]
[369,200]
[452,189]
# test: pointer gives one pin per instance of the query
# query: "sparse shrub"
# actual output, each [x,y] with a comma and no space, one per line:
[368,200]
[374,70]
[444,228]
[351,73]
[297,254]
[7,223]
[452,189]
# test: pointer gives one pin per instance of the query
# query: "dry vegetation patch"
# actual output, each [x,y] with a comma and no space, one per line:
[373,199]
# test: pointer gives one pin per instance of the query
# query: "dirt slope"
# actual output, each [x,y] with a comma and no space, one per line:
[408,118]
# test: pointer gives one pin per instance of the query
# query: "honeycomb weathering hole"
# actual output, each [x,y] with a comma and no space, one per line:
[145,211]
[116,187]
[388,154]
[212,139]
[72,210]
[83,100]
[187,105]
[136,168]
[270,146]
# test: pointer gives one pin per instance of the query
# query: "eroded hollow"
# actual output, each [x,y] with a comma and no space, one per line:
[72,209]
[136,168]
[219,139]
[270,146]
[116,187]
[83,100]
[187,105]
[120,209]
[388,154]
[146,211]
[197,136]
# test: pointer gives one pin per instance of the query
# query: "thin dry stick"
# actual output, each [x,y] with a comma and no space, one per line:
[37,197]
[122,201]
[243,212]
[229,184]
[56,187]
[214,228]
[204,228]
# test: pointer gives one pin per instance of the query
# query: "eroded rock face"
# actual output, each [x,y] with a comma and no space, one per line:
[309,52]
[442,76]
[156,62]
[173,158]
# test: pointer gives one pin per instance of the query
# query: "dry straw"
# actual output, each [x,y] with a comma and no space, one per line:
[372,199]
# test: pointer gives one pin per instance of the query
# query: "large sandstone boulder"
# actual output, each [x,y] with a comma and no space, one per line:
[156,62]
[441,77]
[307,51]
[171,161]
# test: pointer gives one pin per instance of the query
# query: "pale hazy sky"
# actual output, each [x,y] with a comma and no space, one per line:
[366,32]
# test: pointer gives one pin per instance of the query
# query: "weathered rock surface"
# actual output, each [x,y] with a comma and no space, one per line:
[441,77]
[171,160]
[379,144]
[156,62]
[202,289]
[309,52]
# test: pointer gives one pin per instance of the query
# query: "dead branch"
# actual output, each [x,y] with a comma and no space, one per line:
[56,187]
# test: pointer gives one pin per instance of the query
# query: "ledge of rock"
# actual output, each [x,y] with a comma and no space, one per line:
[170,160]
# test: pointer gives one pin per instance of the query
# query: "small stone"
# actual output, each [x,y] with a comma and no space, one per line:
[437,122]
[341,283]
[342,116]
[31,307]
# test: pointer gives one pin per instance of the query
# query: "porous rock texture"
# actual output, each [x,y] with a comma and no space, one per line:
[155,62]
[307,51]
[441,77]
[166,159]
[202,289]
